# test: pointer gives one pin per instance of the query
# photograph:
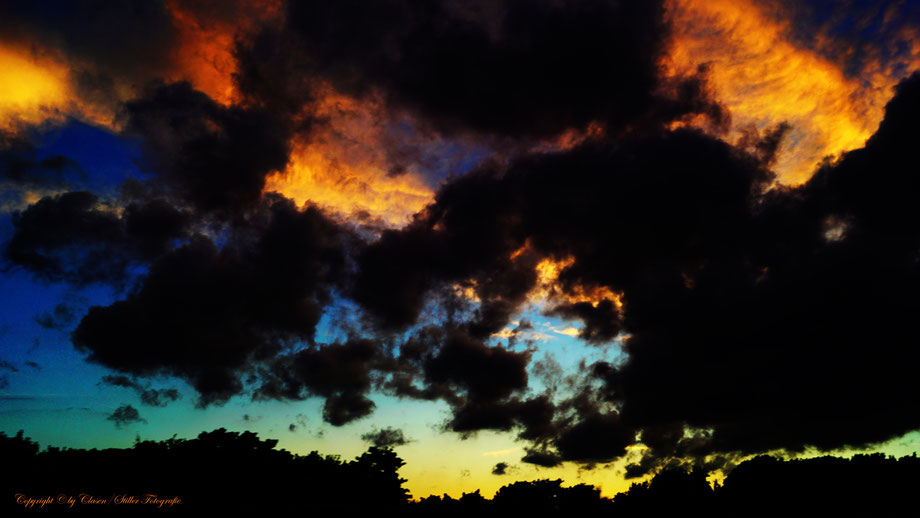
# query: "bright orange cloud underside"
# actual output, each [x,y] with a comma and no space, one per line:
[342,165]
[33,89]
[763,79]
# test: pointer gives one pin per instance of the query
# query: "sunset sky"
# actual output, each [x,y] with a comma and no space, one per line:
[515,240]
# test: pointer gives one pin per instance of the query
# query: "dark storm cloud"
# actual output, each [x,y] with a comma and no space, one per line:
[510,68]
[77,238]
[595,438]
[340,373]
[210,156]
[102,38]
[207,160]
[602,321]
[778,359]
[482,372]
[217,311]
[761,319]
[484,385]
[125,415]
[622,210]
[385,437]
[500,469]
[210,315]
[467,233]
[531,416]
[541,457]
[344,408]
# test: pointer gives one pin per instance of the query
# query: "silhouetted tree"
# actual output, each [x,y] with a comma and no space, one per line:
[223,471]
[218,471]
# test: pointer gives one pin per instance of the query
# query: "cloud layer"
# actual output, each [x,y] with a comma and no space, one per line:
[754,316]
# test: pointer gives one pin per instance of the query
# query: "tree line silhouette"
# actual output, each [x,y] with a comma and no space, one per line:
[228,471]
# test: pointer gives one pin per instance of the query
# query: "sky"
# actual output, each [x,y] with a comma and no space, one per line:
[513,240]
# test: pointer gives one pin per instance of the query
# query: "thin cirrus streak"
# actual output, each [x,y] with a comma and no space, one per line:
[764,79]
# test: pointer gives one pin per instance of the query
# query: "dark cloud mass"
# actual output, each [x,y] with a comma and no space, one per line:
[764,318]
[209,314]
[125,415]
[385,437]
[341,373]
[76,237]
[210,156]
[753,316]
[510,68]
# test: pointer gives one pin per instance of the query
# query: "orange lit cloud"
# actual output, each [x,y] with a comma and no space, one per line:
[763,80]
[34,88]
[38,84]
[326,177]
[204,56]
[343,165]
[548,288]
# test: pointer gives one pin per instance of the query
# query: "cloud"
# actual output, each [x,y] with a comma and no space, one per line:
[213,157]
[109,36]
[542,457]
[125,415]
[386,437]
[148,396]
[500,469]
[159,397]
[724,283]
[753,316]
[509,68]
[59,318]
[341,373]
[210,315]
[78,238]
[24,173]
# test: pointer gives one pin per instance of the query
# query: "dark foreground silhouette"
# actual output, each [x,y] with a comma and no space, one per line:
[231,471]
